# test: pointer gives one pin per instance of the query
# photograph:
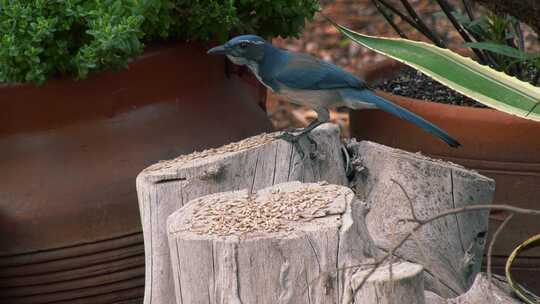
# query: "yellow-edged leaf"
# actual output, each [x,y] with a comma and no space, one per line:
[528,244]
[479,82]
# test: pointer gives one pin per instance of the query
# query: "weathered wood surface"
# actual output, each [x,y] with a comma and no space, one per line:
[296,264]
[451,248]
[480,292]
[397,283]
[252,164]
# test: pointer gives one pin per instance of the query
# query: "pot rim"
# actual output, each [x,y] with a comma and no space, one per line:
[149,51]
[389,66]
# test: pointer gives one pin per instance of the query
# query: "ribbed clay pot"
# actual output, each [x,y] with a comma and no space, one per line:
[501,146]
[69,154]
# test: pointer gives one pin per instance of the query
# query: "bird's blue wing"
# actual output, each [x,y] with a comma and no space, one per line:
[363,96]
[303,72]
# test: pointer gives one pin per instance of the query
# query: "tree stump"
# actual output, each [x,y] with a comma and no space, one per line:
[392,182]
[252,164]
[480,292]
[398,283]
[283,245]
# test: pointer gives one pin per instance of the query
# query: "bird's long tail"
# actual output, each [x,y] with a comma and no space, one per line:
[362,96]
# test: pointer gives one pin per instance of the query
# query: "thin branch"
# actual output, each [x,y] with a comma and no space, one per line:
[340,269]
[412,23]
[400,14]
[426,262]
[385,257]
[408,199]
[522,67]
[388,19]
[448,212]
[414,235]
[430,34]
[468,9]
[481,207]
[536,77]
[492,242]
[447,9]
[519,33]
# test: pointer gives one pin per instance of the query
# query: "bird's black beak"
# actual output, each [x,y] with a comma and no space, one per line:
[218,50]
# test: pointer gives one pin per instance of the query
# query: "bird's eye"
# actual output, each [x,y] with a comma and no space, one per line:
[244,45]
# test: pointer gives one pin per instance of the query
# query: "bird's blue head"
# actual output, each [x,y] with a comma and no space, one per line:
[242,50]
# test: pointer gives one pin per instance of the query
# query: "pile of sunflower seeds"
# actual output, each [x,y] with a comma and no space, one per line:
[244,144]
[272,213]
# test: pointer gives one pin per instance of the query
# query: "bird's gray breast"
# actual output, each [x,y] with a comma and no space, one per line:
[317,98]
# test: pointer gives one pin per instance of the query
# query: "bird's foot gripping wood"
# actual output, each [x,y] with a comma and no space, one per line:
[295,138]
[293,130]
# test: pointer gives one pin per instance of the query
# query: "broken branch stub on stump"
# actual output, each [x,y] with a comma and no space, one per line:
[480,292]
[253,163]
[283,245]
[400,283]
[449,248]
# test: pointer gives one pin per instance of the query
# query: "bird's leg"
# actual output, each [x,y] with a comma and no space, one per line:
[293,139]
[322,116]
[310,127]
[288,134]
[293,130]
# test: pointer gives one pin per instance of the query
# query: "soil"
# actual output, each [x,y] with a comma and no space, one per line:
[411,83]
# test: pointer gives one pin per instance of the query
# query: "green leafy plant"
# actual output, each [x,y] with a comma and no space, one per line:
[501,40]
[482,83]
[40,39]
[495,40]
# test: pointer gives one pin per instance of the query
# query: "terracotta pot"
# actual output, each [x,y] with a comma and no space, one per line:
[501,146]
[70,152]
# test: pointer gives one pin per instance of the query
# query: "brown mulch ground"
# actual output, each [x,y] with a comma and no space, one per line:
[322,40]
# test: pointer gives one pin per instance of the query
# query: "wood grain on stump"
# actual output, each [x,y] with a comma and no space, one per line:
[252,164]
[480,292]
[283,244]
[398,283]
[450,248]
[303,255]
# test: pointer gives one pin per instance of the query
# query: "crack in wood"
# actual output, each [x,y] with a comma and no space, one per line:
[454,206]
[213,272]
[291,157]
[314,251]
[275,163]
[178,269]
[307,287]
[255,172]
[170,180]
[285,293]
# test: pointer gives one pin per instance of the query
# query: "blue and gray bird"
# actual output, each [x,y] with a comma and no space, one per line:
[306,80]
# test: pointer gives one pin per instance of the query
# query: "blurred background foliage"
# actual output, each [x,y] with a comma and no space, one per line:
[40,39]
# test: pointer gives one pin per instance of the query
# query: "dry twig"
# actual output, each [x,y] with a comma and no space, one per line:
[422,222]
[492,243]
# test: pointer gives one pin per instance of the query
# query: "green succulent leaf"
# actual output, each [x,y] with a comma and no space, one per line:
[501,49]
[482,83]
